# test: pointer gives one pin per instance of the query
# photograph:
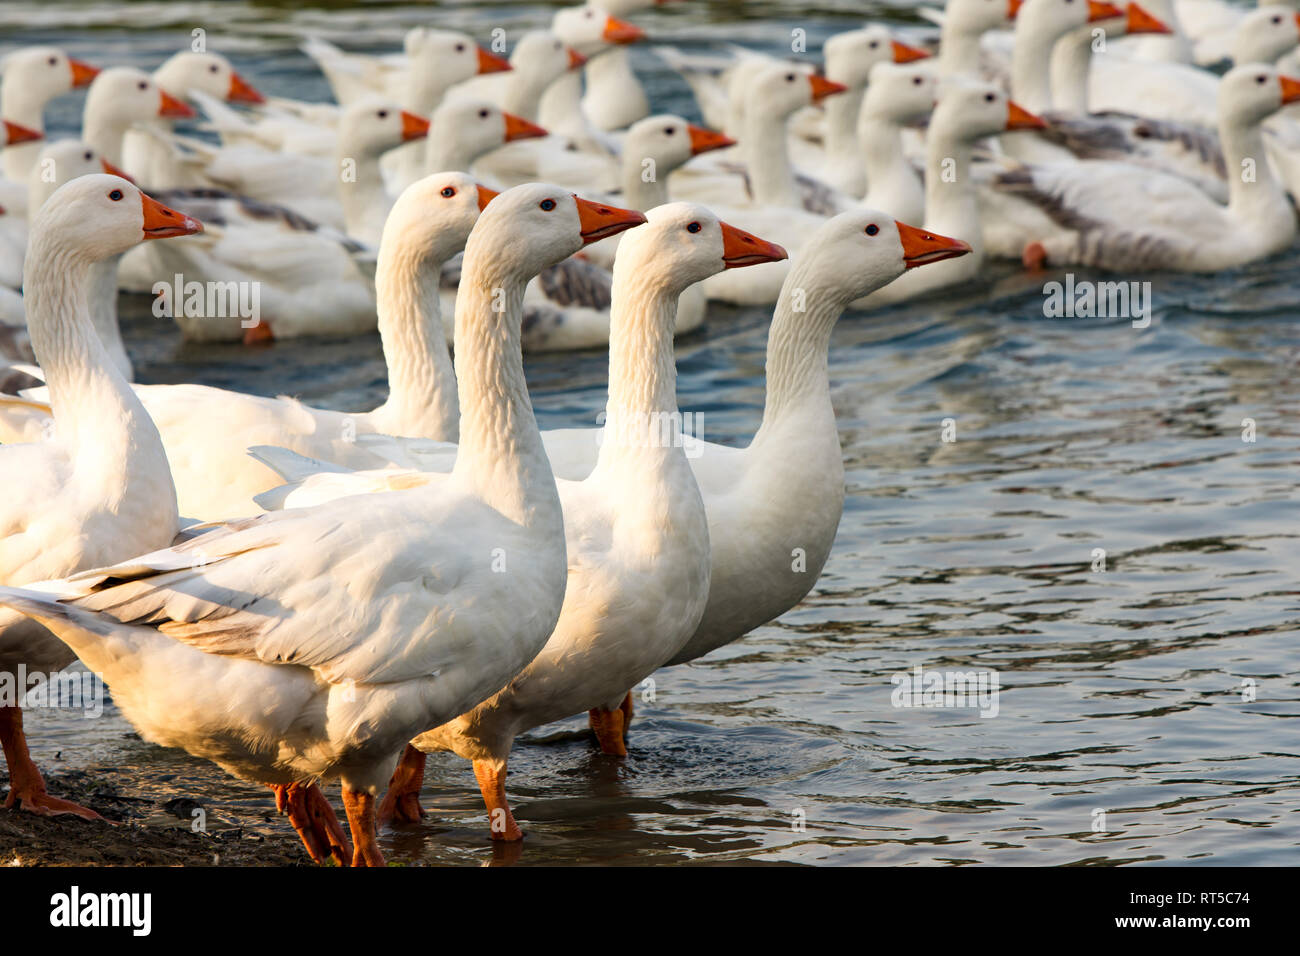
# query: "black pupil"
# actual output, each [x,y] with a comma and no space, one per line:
[988,97]
[448,191]
[144,85]
[89,157]
[115,195]
[693,227]
[548,204]
[383,114]
[483,113]
[872,229]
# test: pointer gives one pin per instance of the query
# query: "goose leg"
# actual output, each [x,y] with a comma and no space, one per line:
[626,708]
[26,785]
[492,783]
[360,807]
[402,801]
[608,727]
[315,820]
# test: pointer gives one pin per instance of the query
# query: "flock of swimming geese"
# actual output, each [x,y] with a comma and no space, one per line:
[437,574]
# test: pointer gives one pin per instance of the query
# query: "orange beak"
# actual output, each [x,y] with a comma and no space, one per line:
[413,127]
[1102,11]
[741,248]
[1290,89]
[241,92]
[906,54]
[172,108]
[160,222]
[114,171]
[485,196]
[703,140]
[20,134]
[822,87]
[620,31]
[1020,118]
[491,63]
[1139,21]
[519,128]
[82,73]
[1013,7]
[599,221]
[921,248]
[576,59]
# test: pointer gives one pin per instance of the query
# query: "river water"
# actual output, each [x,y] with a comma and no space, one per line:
[1101,536]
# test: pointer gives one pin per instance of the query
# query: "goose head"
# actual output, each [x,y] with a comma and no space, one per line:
[62,162]
[11,134]
[38,74]
[901,94]
[533,226]
[540,58]
[435,215]
[1265,34]
[1040,23]
[973,111]
[864,249]
[372,126]
[123,95]
[850,56]
[450,55]
[210,73]
[592,29]
[1250,93]
[781,89]
[480,127]
[99,216]
[670,141]
[977,17]
[683,243]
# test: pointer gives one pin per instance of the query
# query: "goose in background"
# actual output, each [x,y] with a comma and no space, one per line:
[32,76]
[1126,217]
[538,60]
[97,489]
[364,622]
[145,152]
[614,98]
[13,226]
[898,97]
[963,28]
[591,30]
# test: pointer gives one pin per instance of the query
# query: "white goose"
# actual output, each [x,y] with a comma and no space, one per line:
[1131,218]
[965,24]
[614,98]
[99,489]
[32,77]
[334,635]
[13,226]
[897,97]
[636,529]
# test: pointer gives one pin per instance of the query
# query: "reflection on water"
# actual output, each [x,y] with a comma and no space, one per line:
[1124,690]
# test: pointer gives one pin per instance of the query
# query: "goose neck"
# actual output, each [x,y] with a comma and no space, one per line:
[641,413]
[768,158]
[951,205]
[1031,66]
[363,196]
[1253,191]
[1070,65]
[500,454]
[644,187]
[882,149]
[798,343]
[842,122]
[421,380]
[959,50]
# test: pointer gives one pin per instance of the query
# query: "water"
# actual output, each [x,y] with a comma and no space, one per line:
[1122,689]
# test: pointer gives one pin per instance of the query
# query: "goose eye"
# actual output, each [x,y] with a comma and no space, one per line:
[89,156]
[1261,79]
[874,44]
[547,204]
[143,84]
[448,192]
[54,61]
[989,97]
[1277,20]
[460,48]
[789,77]
[383,114]
[483,114]
[693,227]
[916,81]
[214,68]
[872,229]
[115,195]
[669,130]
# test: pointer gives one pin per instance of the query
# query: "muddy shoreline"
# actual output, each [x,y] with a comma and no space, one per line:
[144,832]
